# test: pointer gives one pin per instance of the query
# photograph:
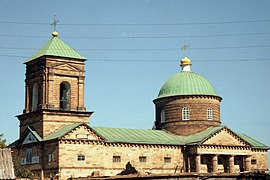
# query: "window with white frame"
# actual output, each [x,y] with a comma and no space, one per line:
[185,113]
[162,116]
[209,114]
[81,157]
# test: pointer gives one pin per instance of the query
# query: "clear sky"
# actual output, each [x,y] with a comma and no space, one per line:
[134,46]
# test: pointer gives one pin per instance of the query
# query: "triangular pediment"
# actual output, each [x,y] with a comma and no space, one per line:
[81,132]
[66,67]
[30,136]
[225,137]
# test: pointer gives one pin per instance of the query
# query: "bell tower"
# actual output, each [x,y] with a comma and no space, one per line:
[54,88]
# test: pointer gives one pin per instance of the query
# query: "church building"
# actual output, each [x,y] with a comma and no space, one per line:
[57,140]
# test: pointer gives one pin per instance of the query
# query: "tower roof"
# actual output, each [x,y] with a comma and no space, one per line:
[56,47]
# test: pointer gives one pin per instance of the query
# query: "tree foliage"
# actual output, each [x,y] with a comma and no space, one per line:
[20,170]
[2,141]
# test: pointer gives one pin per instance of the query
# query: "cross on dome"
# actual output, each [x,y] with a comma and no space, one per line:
[185,62]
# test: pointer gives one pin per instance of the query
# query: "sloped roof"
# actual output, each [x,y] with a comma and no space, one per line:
[6,164]
[253,142]
[56,47]
[62,131]
[140,136]
[35,134]
[147,136]
[200,137]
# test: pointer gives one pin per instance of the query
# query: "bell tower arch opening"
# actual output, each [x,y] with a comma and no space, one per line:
[64,96]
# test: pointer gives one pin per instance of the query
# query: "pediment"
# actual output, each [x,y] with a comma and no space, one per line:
[29,138]
[225,137]
[82,132]
[66,67]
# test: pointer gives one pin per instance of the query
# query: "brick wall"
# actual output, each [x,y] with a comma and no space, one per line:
[198,119]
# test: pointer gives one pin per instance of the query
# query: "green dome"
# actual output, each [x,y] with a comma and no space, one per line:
[187,83]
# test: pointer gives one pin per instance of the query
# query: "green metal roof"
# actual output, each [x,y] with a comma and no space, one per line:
[253,142]
[146,136]
[35,134]
[62,131]
[137,136]
[56,47]
[186,83]
[200,137]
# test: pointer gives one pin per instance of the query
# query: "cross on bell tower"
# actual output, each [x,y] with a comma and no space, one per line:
[55,21]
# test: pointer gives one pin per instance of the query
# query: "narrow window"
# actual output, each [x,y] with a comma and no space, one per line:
[116,159]
[35,97]
[50,158]
[209,114]
[64,96]
[80,157]
[167,159]
[253,161]
[185,113]
[162,116]
[142,159]
[29,155]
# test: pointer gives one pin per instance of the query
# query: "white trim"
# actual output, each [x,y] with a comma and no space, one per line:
[185,113]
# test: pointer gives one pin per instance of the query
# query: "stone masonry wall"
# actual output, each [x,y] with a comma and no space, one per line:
[99,158]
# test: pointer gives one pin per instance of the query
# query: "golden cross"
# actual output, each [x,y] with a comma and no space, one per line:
[185,47]
[54,22]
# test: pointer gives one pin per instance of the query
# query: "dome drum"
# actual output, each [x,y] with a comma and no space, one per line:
[198,111]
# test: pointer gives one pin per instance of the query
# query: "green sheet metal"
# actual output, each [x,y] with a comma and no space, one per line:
[200,137]
[137,136]
[147,136]
[62,131]
[253,142]
[35,134]
[56,47]
[186,83]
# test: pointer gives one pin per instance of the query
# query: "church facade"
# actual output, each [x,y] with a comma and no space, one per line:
[57,141]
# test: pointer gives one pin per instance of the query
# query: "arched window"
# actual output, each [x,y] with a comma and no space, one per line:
[209,114]
[35,97]
[185,113]
[64,96]
[162,116]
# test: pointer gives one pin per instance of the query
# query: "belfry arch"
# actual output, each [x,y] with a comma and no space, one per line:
[64,96]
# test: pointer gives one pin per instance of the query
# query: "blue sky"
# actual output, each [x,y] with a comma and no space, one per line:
[134,46]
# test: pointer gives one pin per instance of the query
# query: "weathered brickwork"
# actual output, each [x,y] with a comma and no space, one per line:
[198,117]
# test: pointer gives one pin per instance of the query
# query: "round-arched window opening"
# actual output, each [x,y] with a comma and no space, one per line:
[64,96]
